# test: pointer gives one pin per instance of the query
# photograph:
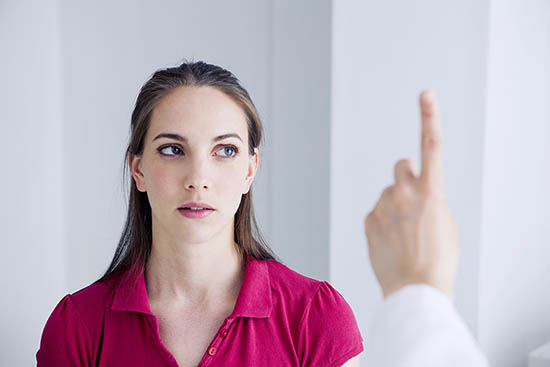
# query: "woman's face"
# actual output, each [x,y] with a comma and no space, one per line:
[197,167]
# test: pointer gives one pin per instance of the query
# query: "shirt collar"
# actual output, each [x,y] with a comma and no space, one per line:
[254,299]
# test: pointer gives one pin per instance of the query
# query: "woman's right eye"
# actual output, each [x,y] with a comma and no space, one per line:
[173,149]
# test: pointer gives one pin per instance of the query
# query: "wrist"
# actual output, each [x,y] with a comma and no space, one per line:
[445,289]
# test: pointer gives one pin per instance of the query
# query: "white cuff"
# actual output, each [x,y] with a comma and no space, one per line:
[418,325]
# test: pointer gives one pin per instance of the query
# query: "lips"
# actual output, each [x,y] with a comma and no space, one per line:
[195,204]
[199,213]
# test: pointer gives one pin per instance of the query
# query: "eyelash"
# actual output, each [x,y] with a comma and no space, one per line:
[175,146]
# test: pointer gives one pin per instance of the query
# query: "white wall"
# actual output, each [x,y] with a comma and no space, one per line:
[299,131]
[488,63]
[32,260]
[514,291]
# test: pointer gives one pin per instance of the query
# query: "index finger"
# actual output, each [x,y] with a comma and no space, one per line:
[431,174]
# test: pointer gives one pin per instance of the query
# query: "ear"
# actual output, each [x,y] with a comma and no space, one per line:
[135,169]
[252,168]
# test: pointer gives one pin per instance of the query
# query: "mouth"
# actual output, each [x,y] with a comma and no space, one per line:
[195,213]
[195,205]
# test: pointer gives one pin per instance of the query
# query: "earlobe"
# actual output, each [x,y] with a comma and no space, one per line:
[135,169]
[250,176]
[248,180]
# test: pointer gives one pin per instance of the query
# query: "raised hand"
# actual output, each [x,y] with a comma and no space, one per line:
[411,233]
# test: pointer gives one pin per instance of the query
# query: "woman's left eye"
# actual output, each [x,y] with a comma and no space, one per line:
[232,147]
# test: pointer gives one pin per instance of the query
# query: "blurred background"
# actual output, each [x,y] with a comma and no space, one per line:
[337,84]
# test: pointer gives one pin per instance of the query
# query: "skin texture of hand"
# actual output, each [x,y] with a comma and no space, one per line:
[411,234]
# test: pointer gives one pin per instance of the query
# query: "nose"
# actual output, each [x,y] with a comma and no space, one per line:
[196,179]
[192,186]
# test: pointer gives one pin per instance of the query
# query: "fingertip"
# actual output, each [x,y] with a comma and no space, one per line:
[427,96]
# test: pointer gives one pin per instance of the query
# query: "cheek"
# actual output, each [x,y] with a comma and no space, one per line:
[230,183]
[161,182]
[227,178]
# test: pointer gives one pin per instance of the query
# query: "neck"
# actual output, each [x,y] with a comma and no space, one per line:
[194,275]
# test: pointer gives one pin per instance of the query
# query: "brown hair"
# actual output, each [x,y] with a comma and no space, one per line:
[134,246]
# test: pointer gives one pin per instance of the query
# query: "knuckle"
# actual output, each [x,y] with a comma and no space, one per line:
[403,162]
[403,198]
[403,193]
[385,198]
[387,192]
[404,170]
[430,141]
[370,221]
[400,162]
[432,191]
[402,165]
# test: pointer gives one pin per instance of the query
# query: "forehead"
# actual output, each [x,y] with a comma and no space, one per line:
[199,113]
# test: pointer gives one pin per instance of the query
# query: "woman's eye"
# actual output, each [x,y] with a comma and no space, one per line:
[231,148]
[173,150]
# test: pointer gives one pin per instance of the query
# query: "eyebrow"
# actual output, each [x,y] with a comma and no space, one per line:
[185,140]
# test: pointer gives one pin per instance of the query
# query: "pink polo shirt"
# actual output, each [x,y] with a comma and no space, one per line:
[281,318]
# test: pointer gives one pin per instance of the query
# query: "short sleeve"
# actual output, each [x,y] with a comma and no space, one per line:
[66,341]
[328,335]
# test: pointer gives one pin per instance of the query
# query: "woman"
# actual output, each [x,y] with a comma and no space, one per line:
[192,282]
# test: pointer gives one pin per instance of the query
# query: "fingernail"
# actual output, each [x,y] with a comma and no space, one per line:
[427,97]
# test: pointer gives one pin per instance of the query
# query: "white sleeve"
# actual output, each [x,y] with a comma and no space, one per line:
[418,326]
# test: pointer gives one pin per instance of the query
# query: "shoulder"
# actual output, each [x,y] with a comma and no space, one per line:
[71,333]
[289,282]
[292,291]
[87,305]
[292,286]
[326,330]
[93,300]
[97,295]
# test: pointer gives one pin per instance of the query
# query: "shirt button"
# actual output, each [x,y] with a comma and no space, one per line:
[224,333]
[212,351]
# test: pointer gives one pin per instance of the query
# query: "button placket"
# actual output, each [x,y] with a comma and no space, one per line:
[218,339]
